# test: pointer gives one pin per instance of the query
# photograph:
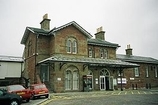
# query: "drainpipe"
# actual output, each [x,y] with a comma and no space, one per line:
[36,54]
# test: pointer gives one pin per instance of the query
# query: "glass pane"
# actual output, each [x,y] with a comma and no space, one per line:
[68,46]
[68,80]
[75,80]
[74,47]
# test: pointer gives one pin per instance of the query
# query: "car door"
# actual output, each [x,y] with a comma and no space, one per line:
[4,98]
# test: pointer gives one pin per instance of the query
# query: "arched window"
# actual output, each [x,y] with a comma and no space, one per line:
[68,46]
[74,49]
[71,45]
[75,81]
[71,79]
[68,78]
[104,72]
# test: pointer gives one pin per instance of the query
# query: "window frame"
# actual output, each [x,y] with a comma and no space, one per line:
[103,53]
[71,79]
[68,46]
[147,71]
[90,53]
[74,47]
[156,72]
[71,45]
[68,80]
[136,72]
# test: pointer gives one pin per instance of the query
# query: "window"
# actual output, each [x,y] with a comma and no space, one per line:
[74,49]
[147,72]
[103,53]
[75,81]
[71,79]
[44,72]
[136,72]
[71,45]
[90,52]
[68,79]
[68,46]
[156,71]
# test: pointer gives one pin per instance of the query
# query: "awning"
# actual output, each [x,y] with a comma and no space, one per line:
[89,61]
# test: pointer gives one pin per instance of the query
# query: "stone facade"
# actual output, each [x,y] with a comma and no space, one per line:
[62,76]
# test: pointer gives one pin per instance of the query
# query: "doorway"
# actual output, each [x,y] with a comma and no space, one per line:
[105,80]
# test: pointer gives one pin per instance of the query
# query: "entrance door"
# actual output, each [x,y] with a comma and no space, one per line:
[102,82]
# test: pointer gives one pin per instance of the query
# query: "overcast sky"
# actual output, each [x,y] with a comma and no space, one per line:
[133,22]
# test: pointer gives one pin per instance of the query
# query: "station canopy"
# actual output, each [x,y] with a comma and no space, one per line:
[89,61]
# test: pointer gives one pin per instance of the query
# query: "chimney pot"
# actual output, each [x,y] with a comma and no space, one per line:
[128,50]
[45,16]
[45,23]
[100,34]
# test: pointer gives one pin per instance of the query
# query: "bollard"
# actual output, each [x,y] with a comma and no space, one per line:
[146,86]
[149,85]
[133,86]
[136,86]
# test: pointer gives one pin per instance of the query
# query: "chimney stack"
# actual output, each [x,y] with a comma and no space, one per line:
[100,34]
[45,23]
[128,50]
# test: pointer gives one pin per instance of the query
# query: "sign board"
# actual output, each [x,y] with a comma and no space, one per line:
[124,80]
[59,79]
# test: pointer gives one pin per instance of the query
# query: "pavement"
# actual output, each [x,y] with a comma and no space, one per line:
[68,95]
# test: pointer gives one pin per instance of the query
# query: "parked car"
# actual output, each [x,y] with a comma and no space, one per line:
[20,90]
[9,98]
[39,90]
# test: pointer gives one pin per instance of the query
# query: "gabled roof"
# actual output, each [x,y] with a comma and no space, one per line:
[137,59]
[33,30]
[74,24]
[10,59]
[99,42]
[51,32]
[90,61]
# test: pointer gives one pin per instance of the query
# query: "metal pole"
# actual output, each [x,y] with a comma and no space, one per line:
[121,78]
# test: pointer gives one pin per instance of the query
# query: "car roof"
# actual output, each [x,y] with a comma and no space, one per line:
[37,84]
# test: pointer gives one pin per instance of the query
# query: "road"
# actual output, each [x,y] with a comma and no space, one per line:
[34,102]
[107,98]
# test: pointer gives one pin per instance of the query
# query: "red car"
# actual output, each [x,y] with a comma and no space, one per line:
[20,90]
[39,90]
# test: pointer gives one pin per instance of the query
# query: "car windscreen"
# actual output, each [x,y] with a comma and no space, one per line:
[16,87]
[40,86]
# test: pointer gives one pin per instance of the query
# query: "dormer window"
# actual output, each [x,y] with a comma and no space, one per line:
[71,45]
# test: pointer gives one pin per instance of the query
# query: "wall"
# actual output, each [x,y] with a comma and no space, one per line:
[10,70]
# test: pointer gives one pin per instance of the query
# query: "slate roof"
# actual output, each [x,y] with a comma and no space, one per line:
[51,32]
[137,59]
[90,61]
[102,43]
[10,59]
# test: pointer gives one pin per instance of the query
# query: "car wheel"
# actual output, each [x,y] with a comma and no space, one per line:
[27,100]
[47,96]
[14,102]
[33,97]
